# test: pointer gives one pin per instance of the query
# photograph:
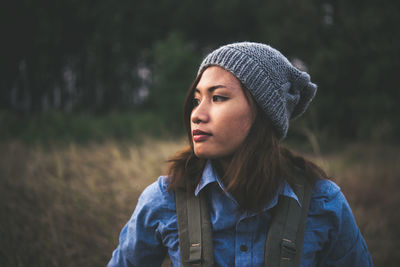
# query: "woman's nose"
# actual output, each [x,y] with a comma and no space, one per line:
[200,113]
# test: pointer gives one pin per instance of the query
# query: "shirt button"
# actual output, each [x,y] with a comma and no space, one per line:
[243,248]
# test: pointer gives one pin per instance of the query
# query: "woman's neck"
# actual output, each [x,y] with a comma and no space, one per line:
[221,166]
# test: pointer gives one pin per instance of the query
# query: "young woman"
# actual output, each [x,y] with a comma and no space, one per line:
[236,113]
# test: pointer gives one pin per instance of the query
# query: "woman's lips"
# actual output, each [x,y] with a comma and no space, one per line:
[199,136]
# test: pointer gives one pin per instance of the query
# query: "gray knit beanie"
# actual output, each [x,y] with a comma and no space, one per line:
[280,89]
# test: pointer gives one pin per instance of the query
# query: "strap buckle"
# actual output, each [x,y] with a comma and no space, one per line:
[194,254]
[288,249]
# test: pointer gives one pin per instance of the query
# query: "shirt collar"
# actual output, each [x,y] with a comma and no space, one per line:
[210,176]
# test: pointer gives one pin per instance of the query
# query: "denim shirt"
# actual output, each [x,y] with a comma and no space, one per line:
[332,237]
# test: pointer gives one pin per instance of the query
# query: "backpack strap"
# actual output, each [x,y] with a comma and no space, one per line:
[194,229]
[285,238]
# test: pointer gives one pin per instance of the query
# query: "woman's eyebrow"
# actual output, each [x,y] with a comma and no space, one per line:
[211,89]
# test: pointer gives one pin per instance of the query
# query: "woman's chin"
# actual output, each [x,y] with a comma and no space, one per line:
[205,154]
[202,155]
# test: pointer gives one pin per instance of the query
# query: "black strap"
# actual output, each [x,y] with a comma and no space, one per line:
[285,238]
[284,242]
[194,229]
[305,204]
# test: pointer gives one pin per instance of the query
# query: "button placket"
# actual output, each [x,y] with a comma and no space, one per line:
[243,242]
[243,248]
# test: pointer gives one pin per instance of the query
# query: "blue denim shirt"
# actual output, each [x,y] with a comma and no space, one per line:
[332,237]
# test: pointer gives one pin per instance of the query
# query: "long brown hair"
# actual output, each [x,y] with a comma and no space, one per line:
[256,170]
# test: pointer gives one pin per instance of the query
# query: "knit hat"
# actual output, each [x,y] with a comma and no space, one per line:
[280,89]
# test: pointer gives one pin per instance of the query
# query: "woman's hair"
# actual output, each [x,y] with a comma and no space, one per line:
[257,167]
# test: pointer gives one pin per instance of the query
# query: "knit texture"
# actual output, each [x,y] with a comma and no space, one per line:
[281,90]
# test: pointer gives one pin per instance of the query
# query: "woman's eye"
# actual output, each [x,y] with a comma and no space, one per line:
[217,98]
[195,102]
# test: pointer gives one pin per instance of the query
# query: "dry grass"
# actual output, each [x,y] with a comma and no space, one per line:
[370,178]
[64,205]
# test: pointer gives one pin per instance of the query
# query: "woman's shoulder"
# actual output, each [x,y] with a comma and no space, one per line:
[142,239]
[331,222]
[156,197]
[325,189]
[327,197]
[159,188]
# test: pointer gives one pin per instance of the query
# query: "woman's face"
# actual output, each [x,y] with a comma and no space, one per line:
[222,115]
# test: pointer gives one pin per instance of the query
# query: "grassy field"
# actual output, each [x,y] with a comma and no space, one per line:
[65,204]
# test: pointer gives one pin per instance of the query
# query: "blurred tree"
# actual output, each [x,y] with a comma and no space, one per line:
[356,67]
[174,68]
[85,55]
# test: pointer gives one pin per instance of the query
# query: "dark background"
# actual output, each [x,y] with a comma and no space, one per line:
[139,57]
